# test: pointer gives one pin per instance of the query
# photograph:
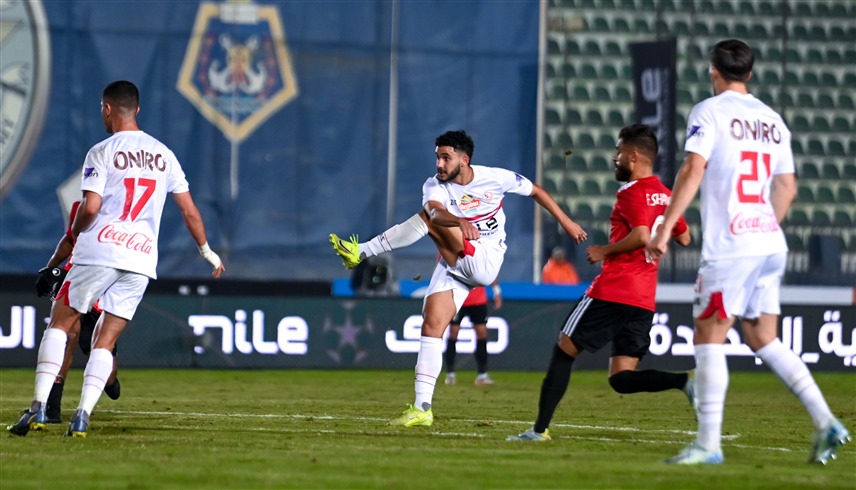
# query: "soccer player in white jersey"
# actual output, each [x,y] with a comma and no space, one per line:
[125,181]
[462,212]
[738,150]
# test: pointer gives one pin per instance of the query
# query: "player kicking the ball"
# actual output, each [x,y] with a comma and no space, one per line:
[462,212]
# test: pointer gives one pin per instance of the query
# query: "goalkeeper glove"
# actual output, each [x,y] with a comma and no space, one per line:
[48,276]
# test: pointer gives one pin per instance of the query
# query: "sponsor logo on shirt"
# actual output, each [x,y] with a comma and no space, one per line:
[758,223]
[695,130]
[137,242]
[468,203]
[89,172]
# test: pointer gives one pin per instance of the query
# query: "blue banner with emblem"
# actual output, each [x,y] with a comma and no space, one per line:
[279,113]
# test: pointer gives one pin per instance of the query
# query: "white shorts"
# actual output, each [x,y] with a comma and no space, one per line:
[744,287]
[120,291]
[478,266]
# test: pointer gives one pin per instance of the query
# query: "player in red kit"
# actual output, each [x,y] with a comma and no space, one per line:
[619,305]
[474,307]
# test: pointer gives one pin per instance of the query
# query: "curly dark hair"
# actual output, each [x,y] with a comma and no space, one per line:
[459,140]
[642,137]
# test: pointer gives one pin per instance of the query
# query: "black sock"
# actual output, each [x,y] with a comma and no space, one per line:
[648,380]
[54,403]
[481,355]
[451,350]
[554,386]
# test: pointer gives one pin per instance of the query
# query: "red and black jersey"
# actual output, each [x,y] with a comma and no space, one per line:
[477,296]
[627,277]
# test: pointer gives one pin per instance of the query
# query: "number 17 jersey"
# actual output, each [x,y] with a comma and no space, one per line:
[133,173]
[745,144]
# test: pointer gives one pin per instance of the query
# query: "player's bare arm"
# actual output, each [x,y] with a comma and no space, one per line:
[440,216]
[63,249]
[637,238]
[194,224]
[783,193]
[684,238]
[546,201]
[86,213]
[686,186]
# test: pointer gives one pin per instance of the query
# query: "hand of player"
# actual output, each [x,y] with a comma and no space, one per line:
[48,276]
[576,232]
[212,257]
[657,246]
[469,230]
[595,253]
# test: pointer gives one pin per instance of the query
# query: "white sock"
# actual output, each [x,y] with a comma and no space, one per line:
[428,366]
[711,383]
[95,376]
[796,376]
[51,355]
[399,236]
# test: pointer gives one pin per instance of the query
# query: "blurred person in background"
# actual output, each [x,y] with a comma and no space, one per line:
[474,307]
[558,270]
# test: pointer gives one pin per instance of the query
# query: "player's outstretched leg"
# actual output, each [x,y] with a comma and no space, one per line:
[349,251]
[33,418]
[827,441]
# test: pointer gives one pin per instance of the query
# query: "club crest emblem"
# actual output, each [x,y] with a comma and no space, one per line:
[237,70]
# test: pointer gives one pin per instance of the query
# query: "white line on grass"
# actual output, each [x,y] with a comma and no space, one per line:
[456,434]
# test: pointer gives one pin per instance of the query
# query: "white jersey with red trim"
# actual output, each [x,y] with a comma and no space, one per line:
[133,173]
[480,201]
[745,144]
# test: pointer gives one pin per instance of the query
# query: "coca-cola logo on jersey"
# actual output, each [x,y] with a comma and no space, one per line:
[138,242]
[764,223]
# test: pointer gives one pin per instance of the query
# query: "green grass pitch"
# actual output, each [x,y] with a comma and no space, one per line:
[327,429]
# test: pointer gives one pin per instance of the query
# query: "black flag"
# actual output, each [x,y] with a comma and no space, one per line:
[654,81]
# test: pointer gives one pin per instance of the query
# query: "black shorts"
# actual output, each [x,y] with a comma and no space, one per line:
[593,323]
[477,314]
[87,328]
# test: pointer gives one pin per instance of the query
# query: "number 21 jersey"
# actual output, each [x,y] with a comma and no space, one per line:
[745,144]
[133,173]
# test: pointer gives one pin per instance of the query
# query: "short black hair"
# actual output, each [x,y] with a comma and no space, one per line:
[642,137]
[733,58]
[123,94]
[459,140]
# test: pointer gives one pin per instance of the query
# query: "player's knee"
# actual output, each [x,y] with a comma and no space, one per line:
[622,382]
